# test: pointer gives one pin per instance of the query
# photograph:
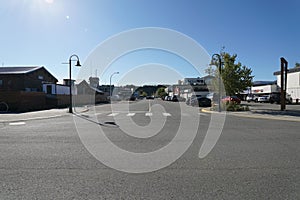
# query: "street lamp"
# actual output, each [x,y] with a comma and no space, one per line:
[70,78]
[110,83]
[219,59]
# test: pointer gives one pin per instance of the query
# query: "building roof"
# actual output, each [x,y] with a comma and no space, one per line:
[292,70]
[18,70]
[22,70]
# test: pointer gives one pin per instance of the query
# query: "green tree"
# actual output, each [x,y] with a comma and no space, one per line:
[144,94]
[297,64]
[235,76]
[161,92]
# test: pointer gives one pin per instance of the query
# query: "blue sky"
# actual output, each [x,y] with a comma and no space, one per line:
[47,32]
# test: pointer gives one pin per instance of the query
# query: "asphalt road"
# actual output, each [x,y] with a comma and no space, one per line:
[253,158]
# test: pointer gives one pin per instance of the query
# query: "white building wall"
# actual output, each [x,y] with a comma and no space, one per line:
[264,89]
[63,89]
[60,89]
[293,85]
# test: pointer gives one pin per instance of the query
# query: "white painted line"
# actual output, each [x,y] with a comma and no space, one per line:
[130,114]
[149,106]
[148,114]
[16,123]
[166,114]
[113,114]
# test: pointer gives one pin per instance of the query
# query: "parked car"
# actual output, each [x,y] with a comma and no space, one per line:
[168,98]
[204,102]
[234,99]
[275,98]
[174,98]
[252,97]
[149,97]
[198,100]
[263,99]
[132,98]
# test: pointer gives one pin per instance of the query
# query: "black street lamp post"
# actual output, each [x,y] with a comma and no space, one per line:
[218,56]
[70,78]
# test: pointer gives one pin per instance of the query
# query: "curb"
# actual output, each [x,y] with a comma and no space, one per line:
[31,118]
[250,114]
[40,116]
[20,118]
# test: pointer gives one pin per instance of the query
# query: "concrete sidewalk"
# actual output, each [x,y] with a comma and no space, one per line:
[43,114]
[287,115]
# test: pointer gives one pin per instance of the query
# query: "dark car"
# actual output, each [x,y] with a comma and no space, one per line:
[200,101]
[132,98]
[174,98]
[149,97]
[204,102]
[275,98]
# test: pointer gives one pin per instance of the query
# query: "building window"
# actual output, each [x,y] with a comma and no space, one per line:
[1,83]
[40,77]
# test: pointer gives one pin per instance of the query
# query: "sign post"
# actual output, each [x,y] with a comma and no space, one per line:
[283,73]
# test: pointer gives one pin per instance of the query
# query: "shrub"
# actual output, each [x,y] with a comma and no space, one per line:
[230,106]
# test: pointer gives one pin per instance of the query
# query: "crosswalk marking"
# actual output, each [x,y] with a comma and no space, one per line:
[16,123]
[148,114]
[113,114]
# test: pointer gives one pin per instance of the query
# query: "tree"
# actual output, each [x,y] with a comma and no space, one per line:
[235,76]
[297,65]
[161,92]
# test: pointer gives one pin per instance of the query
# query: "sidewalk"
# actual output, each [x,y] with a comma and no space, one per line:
[43,114]
[287,115]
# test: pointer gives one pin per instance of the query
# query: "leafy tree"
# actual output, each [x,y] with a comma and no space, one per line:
[144,94]
[297,64]
[235,76]
[161,92]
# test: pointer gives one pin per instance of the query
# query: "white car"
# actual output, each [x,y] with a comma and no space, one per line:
[251,97]
[263,99]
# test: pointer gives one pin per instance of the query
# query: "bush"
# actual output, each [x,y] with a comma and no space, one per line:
[230,106]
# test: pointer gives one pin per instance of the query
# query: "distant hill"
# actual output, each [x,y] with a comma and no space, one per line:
[256,83]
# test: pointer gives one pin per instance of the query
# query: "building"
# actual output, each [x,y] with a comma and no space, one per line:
[29,79]
[293,83]
[264,87]
[21,88]
[88,93]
